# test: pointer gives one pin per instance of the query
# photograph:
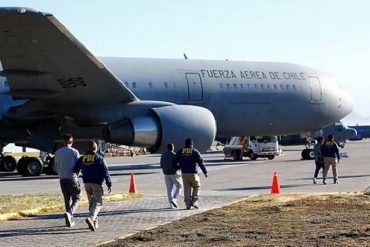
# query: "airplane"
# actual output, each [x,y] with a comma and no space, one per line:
[363,131]
[339,130]
[51,84]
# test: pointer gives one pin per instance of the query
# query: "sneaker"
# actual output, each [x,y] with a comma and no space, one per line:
[195,205]
[173,203]
[90,223]
[73,223]
[324,181]
[68,219]
[188,207]
[336,182]
[314,180]
[96,223]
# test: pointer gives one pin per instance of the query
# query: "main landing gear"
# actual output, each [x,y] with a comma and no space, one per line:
[28,166]
[7,163]
[34,166]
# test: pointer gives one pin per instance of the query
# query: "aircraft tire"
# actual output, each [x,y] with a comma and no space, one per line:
[271,157]
[308,154]
[1,167]
[8,163]
[236,155]
[50,169]
[311,154]
[304,154]
[20,165]
[253,156]
[33,167]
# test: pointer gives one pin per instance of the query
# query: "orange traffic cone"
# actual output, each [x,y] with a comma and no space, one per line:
[275,189]
[132,184]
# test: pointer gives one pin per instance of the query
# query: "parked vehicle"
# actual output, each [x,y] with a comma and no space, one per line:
[253,147]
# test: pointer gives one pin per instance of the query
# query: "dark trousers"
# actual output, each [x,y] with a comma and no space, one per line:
[319,165]
[71,192]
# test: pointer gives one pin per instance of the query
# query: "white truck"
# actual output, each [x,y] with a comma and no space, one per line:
[253,147]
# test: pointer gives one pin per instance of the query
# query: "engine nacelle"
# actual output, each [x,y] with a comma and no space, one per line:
[163,125]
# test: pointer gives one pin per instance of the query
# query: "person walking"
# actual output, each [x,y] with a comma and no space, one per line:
[319,159]
[330,152]
[65,160]
[189,159]
[94,171]
[172,175]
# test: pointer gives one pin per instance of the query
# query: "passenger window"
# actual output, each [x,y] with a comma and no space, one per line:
[261,86]
[287,87]
[221,85]
[294,87]
[134,85]
[165,84]
[255,86]
[241,85]
[281,86]
[234,86]
[275,86]
[227,85]
[268,86]
[150,84]
[126,83]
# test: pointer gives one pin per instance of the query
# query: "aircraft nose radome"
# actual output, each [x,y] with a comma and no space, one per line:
[346,103]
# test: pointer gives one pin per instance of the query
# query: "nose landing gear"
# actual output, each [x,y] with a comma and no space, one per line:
[308,154]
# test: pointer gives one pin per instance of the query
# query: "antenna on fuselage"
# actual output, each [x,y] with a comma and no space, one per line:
[186,57]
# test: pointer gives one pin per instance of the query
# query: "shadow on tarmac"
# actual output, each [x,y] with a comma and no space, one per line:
[340,177]
[267,187]
[47,230]
[133,167]
[17,177]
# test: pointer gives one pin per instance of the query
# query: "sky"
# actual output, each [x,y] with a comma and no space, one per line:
[333,36]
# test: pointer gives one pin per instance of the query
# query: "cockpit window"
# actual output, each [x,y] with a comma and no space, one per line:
[6,84]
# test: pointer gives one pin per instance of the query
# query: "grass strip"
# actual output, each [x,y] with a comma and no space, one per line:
[296,219]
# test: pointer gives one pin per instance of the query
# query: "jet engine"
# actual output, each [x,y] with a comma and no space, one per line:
[163,125]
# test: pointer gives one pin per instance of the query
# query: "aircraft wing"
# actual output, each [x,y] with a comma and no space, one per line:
[43,61]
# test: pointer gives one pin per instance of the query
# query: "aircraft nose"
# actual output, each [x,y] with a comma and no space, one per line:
[346,103]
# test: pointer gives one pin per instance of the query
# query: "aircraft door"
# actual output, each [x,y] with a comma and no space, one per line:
[195,87]
[316,93]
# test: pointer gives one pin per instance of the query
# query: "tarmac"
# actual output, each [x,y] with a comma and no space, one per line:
[228,181]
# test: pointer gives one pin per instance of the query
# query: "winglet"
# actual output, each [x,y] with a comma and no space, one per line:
[22,10]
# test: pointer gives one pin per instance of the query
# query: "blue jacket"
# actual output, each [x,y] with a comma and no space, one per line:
[330,149]
[188,158]
[93,168]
